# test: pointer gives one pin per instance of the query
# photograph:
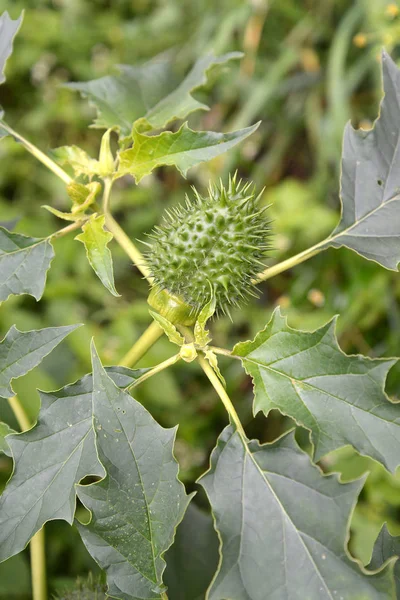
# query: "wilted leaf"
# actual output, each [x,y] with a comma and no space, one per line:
[339,398]
[151,90]
[96,239]
[21,351]
[138,505]
[283,526]
[8,30]
[193,558]
[183,149]
[50,460]
[385,548]
[169,328]
[4,431]
[370,187]
[24,262]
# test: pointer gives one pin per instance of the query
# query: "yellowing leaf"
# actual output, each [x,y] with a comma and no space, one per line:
[96,239]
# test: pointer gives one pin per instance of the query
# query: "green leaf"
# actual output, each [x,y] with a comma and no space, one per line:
[183,149]
[169,328]
[138,505]
[5,430]
[201,334]
[385,548]
[50,460]
[283,526]
[78,159]
[24,262]
[339,398]
[370,188]
[151,90]
[21,351]
[96,239]
[193,558]
[8,30]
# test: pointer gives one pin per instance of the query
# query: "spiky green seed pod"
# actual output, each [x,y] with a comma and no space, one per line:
[214,243]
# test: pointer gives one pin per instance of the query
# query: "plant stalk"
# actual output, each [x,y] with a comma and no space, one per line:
[143,344]
[291,262]
[157,369]
[67,229]
[41,156]
[37,543]
[219,388]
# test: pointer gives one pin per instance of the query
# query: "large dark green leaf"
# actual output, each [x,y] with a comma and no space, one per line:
[183,149]
[339,398]
[385,548]
[193,558]
[370,187]
[21,351]
[50,460]
[151,90]
[283,526]
[138,505]
[24,262]
[8,30]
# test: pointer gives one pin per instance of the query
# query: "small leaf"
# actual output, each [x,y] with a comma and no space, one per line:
[4,431]
[385,548]
[24,262]
[283,526]
[339,398]
[21,351]
[8,30]
[138,505]
[78,159]
[183,149]
[106,158]
[370,188]
[201,334]
[193,558]
[169,328]
[150,91]
[213,360]
[50,459]
[96,239]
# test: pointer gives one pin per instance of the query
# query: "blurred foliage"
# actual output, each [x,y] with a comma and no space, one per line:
[308,67]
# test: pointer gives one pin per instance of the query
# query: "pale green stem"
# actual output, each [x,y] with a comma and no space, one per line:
[291,262]
[46,160]
[157,369]
[67,229]
[219,388]
[37,543]
[143,344]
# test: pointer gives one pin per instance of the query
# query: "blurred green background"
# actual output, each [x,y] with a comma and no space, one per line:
[308,67]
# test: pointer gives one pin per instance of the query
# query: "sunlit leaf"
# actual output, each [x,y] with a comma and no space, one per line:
[283,526]
[137,506]
[78,159]
[24,262]
[339,398]
[183,149]
[96,240]
[169,328]
[50,460]
[21,351]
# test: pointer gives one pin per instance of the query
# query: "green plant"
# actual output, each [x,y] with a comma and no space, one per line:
[267,500]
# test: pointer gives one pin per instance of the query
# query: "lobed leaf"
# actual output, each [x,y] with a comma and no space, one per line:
[96,239]
[339,398]
[385,548]
[4,431]
[24,262]
[267,503]
[8,30]
[370,190]
[150,91]
[137,506]
[193,558]
[183,149]
[49,460]
[21,351]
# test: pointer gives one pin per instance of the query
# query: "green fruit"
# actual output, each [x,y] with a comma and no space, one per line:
[213,243]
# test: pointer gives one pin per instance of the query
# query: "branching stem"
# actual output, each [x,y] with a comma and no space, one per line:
[41,156]
[219,388]
[37,543]
[143,344]
[291,262]
[157,369]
